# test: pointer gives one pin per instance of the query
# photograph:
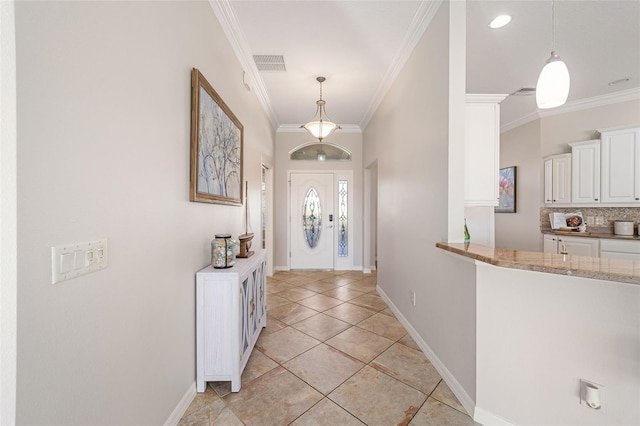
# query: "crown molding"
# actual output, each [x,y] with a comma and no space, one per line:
[229,23]
[421,20]
[295,128]
[596,101]
[582,104]
[519,122]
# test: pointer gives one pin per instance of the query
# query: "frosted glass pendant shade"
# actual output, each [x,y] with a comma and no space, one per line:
[553,85]
[320,129]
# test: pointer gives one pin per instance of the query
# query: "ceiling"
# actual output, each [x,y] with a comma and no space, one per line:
[361,45]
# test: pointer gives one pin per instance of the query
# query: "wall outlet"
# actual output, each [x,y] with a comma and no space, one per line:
[599,220]
[590,394]
[413,297]
[591,220]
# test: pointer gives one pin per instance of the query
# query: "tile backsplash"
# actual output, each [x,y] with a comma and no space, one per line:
[608,214]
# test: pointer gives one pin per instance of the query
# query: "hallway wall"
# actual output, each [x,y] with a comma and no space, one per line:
[103,113]
[409,138]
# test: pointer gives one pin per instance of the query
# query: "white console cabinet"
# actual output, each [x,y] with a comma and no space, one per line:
[230,313]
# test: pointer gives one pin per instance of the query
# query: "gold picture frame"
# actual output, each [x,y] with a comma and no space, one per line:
[216,147]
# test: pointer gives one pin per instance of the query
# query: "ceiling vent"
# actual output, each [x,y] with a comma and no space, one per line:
[269,62]
[525,91]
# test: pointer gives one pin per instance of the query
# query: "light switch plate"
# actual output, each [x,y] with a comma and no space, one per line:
[73,260]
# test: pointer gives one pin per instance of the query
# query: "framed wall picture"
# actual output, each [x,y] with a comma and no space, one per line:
[216,147]
[507,190]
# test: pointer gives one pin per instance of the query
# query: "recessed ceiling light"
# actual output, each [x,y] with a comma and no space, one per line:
[500,21]
[618,81]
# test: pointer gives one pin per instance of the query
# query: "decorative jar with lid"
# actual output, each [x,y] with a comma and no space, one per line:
[223,251]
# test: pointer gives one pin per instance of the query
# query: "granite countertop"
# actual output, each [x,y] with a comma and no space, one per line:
[624,271]
[593,234]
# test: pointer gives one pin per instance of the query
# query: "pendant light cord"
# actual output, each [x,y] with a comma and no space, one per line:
[321,107]
[553,29]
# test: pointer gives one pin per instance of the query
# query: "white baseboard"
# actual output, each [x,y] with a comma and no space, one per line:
[486,418]
[352,268]
[182,406]
[457,389]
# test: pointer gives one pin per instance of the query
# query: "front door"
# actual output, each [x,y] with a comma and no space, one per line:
[311,223]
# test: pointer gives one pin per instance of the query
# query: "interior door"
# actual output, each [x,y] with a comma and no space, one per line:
[311,220]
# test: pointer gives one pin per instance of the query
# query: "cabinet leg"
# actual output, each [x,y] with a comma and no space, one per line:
[201,385]
[235,385]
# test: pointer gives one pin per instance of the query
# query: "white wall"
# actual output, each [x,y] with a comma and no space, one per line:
[556,131]
[370,248]
[286,141]
[539,334]
[481,225]
[104,130]
[520,147]
[409,138]
[8,218]
[525,146]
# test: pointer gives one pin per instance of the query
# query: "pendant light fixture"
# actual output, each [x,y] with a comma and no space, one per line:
[319,126]
[553,85]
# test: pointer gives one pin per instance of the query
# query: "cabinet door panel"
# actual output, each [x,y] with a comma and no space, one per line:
[580,246]
[620,161]
[562,180]
[548,181]
[585,172]
[617,255]
[622,246]
[482,151]
[550,244]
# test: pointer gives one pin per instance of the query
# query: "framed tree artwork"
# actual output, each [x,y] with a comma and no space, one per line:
[507,190]
[216,147]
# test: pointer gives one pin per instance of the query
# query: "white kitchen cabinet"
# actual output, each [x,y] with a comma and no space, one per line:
[575,246]
[230,313]
[579,246]
[482,149]
[585,172]
[620,249]
[550,244]
[557,179]
[620,178]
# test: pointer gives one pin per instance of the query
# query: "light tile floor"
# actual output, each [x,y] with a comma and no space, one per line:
[332,354]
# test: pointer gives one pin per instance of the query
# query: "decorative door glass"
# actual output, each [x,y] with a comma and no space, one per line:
[343,243]
[311,217]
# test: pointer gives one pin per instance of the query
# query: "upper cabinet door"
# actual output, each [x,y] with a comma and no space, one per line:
[557,179]
[548,181]
[585,172]
[562,179]
[620,166]
[482,149]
